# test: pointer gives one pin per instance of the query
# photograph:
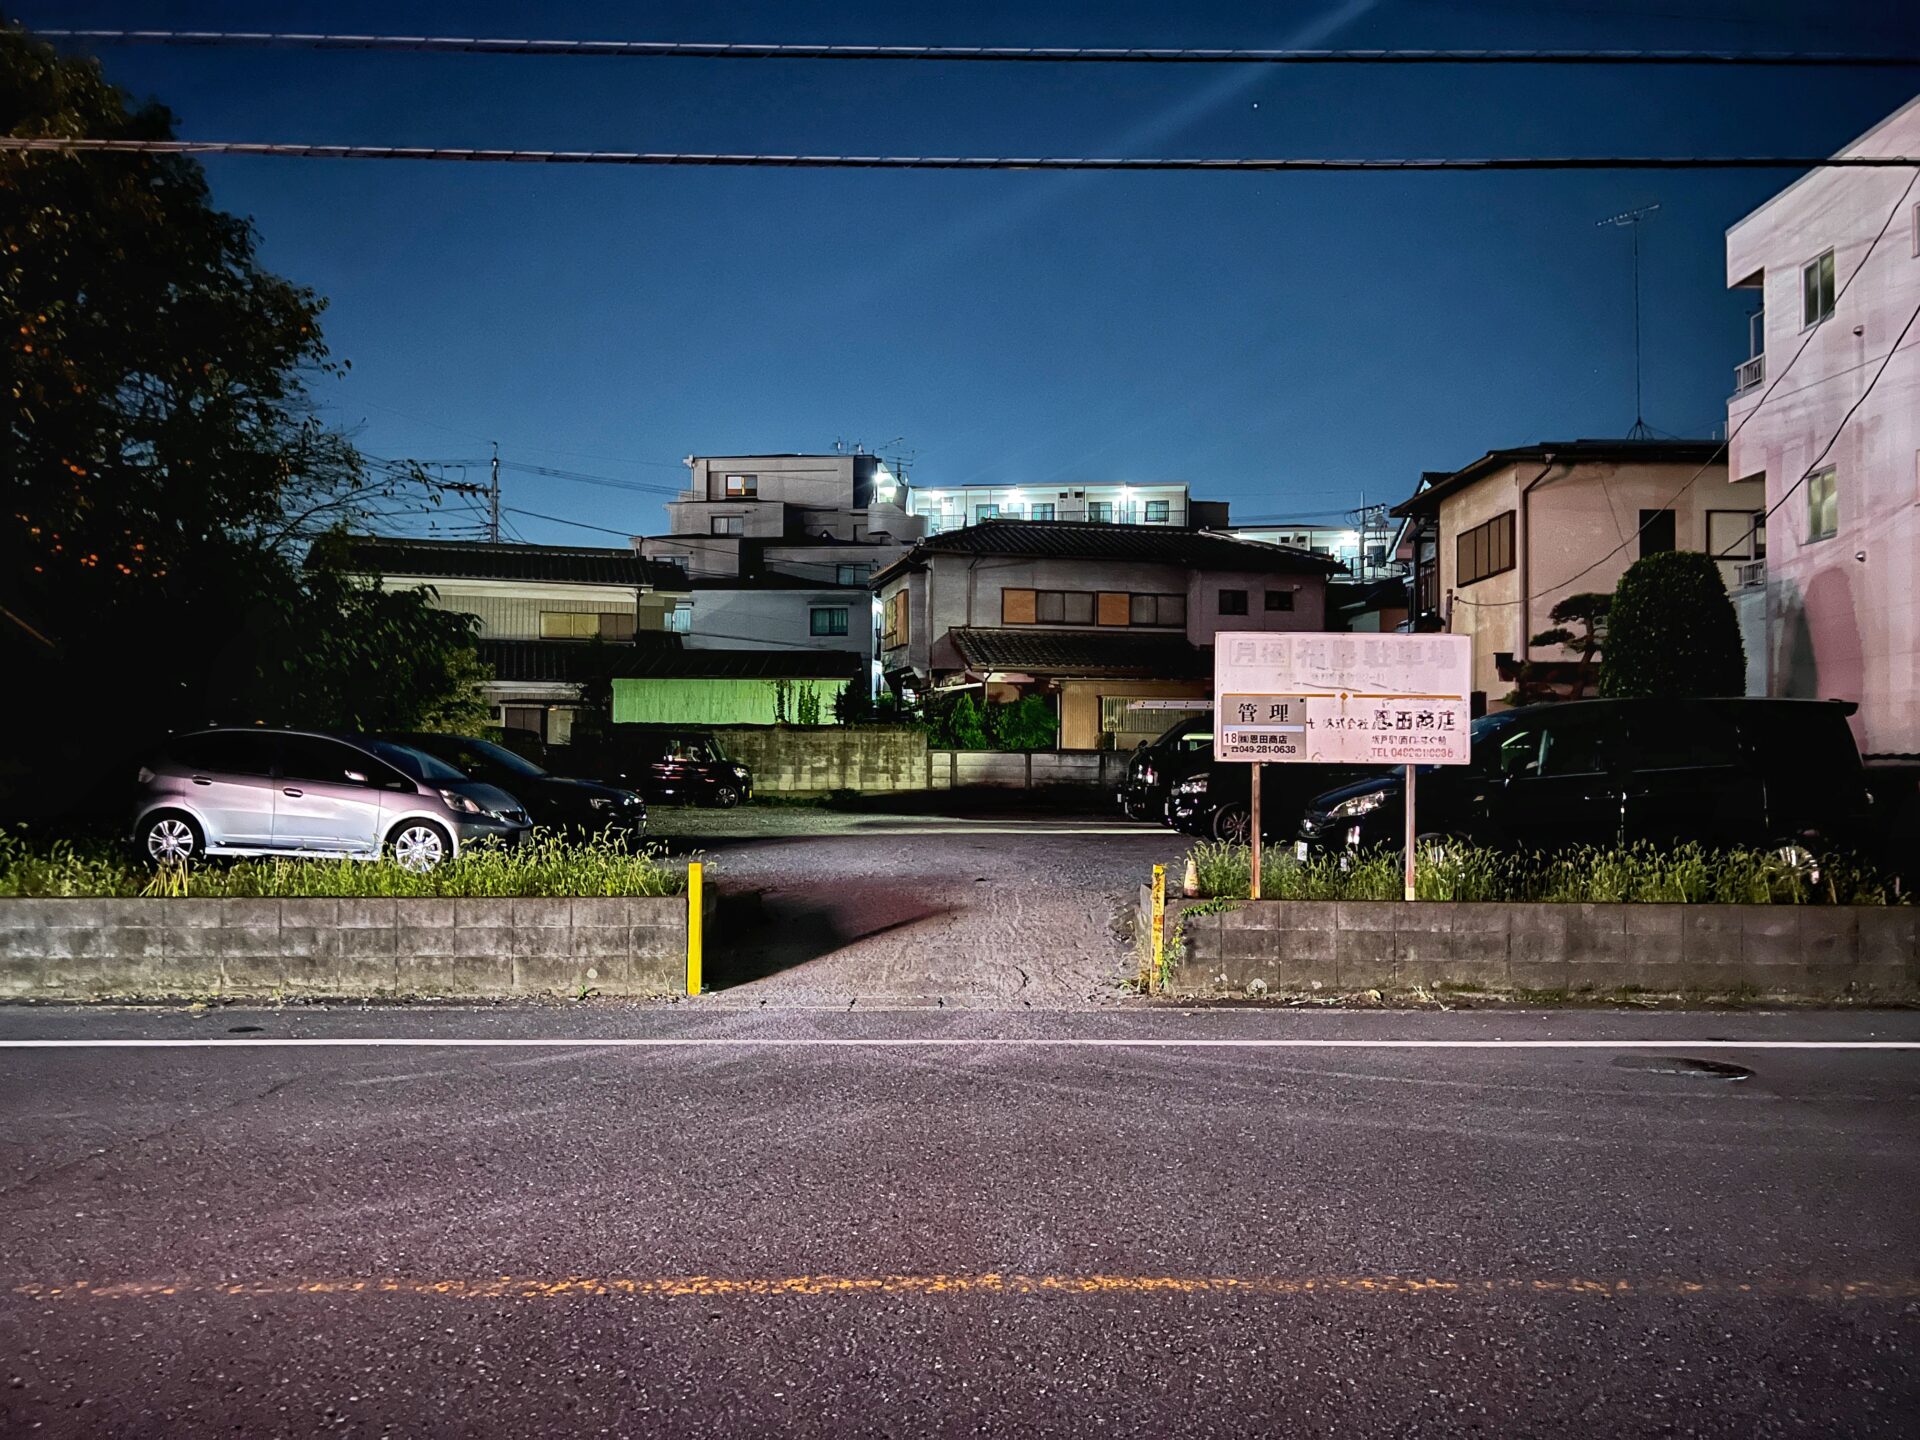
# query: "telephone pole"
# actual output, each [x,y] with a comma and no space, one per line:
[1631,220]
[493,499]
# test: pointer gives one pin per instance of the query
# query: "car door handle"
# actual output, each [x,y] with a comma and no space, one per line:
[293,792]
[201,780]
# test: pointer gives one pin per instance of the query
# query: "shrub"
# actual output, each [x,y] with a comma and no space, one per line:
[959,727]
[1671,631]
[1025,724]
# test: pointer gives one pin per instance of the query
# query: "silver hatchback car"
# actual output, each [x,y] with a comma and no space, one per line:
[293,792]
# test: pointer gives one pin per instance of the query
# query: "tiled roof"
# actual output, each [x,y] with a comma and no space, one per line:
[1150,544]
[573,661]
[1095,652]
[1436,484]
[479,560]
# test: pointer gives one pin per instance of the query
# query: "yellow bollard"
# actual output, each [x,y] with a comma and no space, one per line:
[696,915]
[1155,975]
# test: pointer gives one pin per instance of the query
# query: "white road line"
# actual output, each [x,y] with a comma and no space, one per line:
[626,1042]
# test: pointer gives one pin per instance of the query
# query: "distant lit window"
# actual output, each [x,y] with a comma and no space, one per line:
[1823,505]
[742,486]
[1042,512]
[828,622]
[1233,602]
[1816,290]
[1159,510]
[1100,510]
[729,525]
[986,512]
[565,625]
[680,619]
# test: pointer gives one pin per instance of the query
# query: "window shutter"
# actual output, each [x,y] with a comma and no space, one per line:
[1115,607]
[1017,607]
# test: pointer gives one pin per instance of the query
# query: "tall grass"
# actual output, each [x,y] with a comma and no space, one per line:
[1635,874]
[548,866]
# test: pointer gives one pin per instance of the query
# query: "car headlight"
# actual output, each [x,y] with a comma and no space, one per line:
[600,802]
[1358,805]
[740,771]
[456,801]
[1146,775]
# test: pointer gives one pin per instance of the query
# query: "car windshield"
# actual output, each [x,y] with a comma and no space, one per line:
[1487,731]
[508,761]
[415,763]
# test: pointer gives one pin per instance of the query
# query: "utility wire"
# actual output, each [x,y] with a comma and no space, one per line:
[562,520]
[994,54]
[608,481]
[67,145]
[1720,452]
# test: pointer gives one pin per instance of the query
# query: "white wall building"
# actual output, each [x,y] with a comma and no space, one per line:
[1841,593]
[953,507]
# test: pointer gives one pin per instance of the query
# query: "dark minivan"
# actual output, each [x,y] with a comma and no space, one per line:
[1155,765]
[1774,774]
[674,767]
[554,801]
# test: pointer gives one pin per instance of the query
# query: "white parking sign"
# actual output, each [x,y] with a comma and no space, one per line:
[1342,699]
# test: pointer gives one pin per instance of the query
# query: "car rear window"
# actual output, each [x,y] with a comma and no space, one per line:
[415,763]
[227,752]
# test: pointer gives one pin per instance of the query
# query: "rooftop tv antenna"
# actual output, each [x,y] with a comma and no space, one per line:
[1631,219]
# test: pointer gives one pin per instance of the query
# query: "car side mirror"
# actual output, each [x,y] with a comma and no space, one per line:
[357,777]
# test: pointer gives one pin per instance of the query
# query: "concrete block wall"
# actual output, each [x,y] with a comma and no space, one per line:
[1868,952]
[92,949]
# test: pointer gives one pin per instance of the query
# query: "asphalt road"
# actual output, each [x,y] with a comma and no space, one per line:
[958,1222]
[832,910]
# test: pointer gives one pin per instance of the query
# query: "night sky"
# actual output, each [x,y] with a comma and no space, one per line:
[1290,343]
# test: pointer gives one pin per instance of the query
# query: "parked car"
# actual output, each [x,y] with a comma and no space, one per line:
[1179,750]
[1216,801]
[674,767]
[554,801]
[278,792]
[1774,774]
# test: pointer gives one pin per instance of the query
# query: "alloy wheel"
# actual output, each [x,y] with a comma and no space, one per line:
[170,841]
[419,848]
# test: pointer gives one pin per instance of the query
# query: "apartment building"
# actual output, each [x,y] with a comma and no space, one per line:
[1825,418]
[953,507]
[1099,618]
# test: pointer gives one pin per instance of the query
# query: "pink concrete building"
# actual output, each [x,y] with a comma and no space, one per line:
[1838,595]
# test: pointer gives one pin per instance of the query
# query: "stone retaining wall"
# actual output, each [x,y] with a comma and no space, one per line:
[95,949]
[1868,952]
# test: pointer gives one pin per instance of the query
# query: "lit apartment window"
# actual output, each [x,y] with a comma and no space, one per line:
[728,525]
[986,512]
[742,487]
[851,574]
[1823,505]
[680,620]
[565,625]
[1816,290]
[1484,550]
[1159,511]
[828,622]
[1233,602]
[1279,600]
[1100,510]
[1043,512]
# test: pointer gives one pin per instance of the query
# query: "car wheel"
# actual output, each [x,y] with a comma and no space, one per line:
[171,838]
[419,846]
[726,797]
[1800,858]
[1232,823]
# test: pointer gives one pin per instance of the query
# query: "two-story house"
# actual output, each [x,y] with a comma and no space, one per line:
[540,609]
[1097,617]
[1825,417]
[1500,542]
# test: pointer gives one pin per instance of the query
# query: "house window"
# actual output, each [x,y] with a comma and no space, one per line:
[1159,610]
[728,525]
[1484,551]
[827,622]
[1159,511]
[1233,602]
[1823,505]
[1100,511]
[680,620]
[1816,290]
[1656,532]
[1734,534]
[1043,512]
[742,487]
[985,512]
[851,574]
[1062,607]
[565,625]
[1279,600]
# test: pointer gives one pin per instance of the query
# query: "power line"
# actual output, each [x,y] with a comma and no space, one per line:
[1237,164]
[992,54]
[608,481]
[562,520]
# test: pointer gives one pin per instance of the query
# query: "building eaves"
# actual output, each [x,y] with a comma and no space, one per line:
[1438,485]
[483,560]
[1079,652]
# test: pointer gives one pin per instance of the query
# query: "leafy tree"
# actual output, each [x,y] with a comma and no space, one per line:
[1587,610]
[162,474]
[807,706]
[960,726]
[1672,632]
[1028,723]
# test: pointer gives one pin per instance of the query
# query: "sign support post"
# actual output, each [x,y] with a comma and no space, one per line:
[1253,833]
[1410,832]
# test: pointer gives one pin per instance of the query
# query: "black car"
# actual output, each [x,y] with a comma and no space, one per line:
[1215,801]
[1773,774]
[674,767]
[1179,750]
[554,802]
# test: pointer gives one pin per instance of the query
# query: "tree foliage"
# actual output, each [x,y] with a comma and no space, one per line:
[1028,723]
[163,474]
[1672,631]
[1588,612]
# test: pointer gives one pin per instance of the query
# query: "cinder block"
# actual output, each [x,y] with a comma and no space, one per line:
[541,942]
[423,914]
[193,914]
[598,910]
[532,914]
[1830,947]
[1422,944]
[455,975]
[1537,947]
[1769,935]
[599,942]
[1364,959]
[1889,953]
[555,974]
[1596,937]
[367,943]
[366,914]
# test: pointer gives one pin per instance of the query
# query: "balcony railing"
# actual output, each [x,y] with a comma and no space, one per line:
[1749,374]
[1115,514]
[1748,574]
